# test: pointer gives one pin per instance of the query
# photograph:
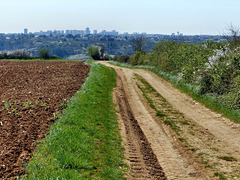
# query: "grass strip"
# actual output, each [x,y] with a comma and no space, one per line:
[208,100]
[85,142]
[148,91]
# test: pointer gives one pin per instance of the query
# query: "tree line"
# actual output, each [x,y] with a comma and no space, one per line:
[43,53]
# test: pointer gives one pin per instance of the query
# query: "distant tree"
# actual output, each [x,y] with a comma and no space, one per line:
[138,42]
[44,53]
[102,51]
[233,36]
[93,52]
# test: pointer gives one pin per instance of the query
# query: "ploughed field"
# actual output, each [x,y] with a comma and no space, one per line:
[32,95]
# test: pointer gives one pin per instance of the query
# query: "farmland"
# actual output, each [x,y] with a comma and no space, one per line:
[32,96]
[57,128]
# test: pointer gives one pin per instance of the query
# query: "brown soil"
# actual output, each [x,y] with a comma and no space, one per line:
[32,95]
[204,146]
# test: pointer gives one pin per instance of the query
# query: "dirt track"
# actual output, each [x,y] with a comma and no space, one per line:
[204,146]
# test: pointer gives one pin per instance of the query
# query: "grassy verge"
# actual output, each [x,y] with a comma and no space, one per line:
[85,142]
[208,100]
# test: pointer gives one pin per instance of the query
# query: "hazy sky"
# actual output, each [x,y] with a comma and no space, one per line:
[151,16]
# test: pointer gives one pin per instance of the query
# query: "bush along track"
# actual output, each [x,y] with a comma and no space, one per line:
[208,100]
[212,153]
[85,142]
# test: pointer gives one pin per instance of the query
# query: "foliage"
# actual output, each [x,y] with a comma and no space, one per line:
[137,58]
[232,97]
[138,42]
[16,55]
[212,66]
[84,143]
[93,52]
[234,36]
[108,57]
[122,59]
[102,51]
[44,53]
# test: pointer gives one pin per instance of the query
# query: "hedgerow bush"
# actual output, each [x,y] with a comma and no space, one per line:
[122,59]
[17,54]
[137,58]
[212,66]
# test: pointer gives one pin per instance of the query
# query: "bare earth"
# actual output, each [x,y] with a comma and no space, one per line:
[32,96]
[207,145]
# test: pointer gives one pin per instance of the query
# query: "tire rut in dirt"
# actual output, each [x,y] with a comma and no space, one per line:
[143,162]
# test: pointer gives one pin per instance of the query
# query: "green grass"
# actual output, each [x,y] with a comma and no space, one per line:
[149,91]
[208,100]
[220,175]
[227,158]
[85,142]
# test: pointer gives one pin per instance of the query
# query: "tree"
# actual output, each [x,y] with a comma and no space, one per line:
[138,42]
[102,51]
[44,53]
[234,36]
[93,52]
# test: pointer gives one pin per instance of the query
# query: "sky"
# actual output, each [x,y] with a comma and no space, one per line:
[190,17]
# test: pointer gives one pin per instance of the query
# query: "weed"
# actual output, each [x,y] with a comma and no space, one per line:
[209,166]
[227,158]
[44,104]
[7,105]
[193,149]
[204,162]
[184,122]
[27,104]
[63,105]
[181,139]
[172,124]
[220,175]
[160,114]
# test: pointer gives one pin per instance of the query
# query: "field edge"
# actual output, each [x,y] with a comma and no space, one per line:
[85,142]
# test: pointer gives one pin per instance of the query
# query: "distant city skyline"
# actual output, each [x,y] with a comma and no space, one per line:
[87,31]
[153,16]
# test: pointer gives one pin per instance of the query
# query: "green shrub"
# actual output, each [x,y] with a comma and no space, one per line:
[232,98]
[123,59]
[211,66]
[93,52]
[44,53]
[137,58]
